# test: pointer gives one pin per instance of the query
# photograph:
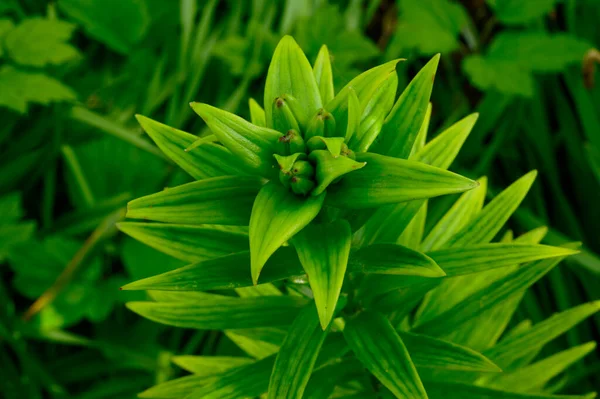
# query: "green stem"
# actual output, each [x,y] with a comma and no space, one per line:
[75,168]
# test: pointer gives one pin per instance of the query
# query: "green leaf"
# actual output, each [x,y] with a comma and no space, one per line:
[498,75]
[277,215]
[429,352]
[324,75]
[323,250]
[6,25]
[484,299]
[209,365]
[386,180]
[220,200]
[379,348]
[176,388]
[98,20]
[19,88]
[404,121]
[291,73]
[519,345]
[254,145]
[188,243]
[495,214]
[448,390]
[458,216]
[221,313]
[329,168]
[229,271]
[532,378]
[515,12]
[297,356]
[394,259]
[38,42]
[474,259]
[257,114]
[205,161]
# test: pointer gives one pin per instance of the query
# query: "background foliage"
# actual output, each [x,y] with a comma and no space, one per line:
[73,74]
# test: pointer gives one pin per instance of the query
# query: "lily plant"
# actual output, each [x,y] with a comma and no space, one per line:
[310,247]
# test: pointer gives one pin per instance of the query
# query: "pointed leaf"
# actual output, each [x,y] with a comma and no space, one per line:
[291,73]
[176,388]
[448,390]
[188,243]
[422,136]
[402,125]
[254,145]
[386,180]
[412,235]
[277,215]
[257,114]
[323,250]
[330,168]
[220,200]
[220,313]
[209,365]
[394,259]
[324,75]
[297,356]
[208,160]
[379,348]
[429,352]
[354,115]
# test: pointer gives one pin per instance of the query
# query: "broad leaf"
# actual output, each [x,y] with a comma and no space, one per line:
[323,250]
[291,73]
[220,200]
[277,215]
[254,145]
[297,356]
[402,125]
[379,348]
[324,75]
[386,180]
[221,313]
[207,160]
[188,243]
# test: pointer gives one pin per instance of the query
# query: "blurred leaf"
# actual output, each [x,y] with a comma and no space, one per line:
[209,365]
[19,88]
[445,390]
[98,19]
[39,42]
[515,12]
[6,25]
[142,261]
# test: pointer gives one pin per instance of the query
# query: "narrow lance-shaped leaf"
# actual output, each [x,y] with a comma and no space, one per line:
[177,388]
[379,348]
[429,352]
[257,114]
[323,250]
[277,215]
[423,132]
[205,161]
[324,75]
[188,243]
[448,390]
[402,125]
[394,259]
[297,356]
[221,313]
[291,73]
[386,180]
[221,200]
[209,365]
[254,145]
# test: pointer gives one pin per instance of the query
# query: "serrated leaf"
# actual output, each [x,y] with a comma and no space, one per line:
[19,88]
[209,365]
[511,351]
[532,378]
[98,19]
[394,259]
[474,259]
[205,161]
[386,180]
[459,215]
[499,291]
[291,73]
[404,121]
[323,250]
[448,390]
[38,42]
[277,215]
[379,348]
[221,200]
[254,145]
[297,356]
[324,75]
[221,313]
[257,113]
[429,352]
[186,242]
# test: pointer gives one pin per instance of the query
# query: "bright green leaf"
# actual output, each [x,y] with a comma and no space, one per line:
[324,75]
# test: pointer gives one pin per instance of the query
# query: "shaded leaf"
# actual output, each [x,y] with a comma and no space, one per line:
[209,365]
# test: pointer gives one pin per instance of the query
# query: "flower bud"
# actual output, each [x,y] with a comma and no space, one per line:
[322,124]
[301,185]
[292,142]
[283,118]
